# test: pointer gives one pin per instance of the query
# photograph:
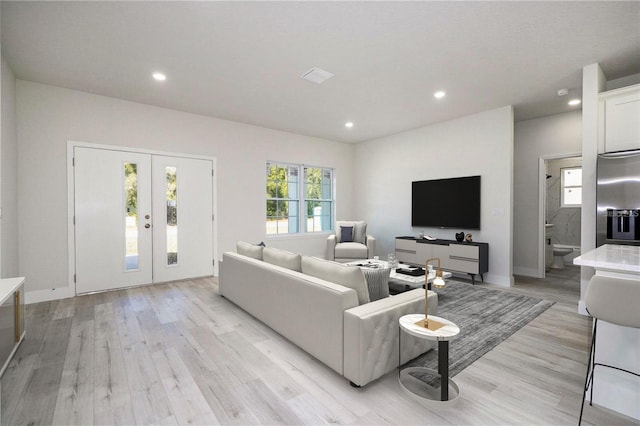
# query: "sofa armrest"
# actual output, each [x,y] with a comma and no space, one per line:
[371,335]
[331,247]
[371,246]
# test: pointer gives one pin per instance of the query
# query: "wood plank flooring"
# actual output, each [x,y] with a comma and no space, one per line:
[178,353]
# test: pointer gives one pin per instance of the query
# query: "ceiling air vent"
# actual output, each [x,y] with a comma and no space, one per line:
[317,75]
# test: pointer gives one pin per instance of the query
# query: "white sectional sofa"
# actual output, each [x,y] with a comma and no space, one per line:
[298,297]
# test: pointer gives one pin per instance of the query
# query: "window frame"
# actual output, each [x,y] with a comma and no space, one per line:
[563,204]
[301,199]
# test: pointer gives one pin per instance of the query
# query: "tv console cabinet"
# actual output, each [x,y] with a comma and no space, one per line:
[469,258]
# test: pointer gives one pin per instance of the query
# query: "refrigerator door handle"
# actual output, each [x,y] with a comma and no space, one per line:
[621,154]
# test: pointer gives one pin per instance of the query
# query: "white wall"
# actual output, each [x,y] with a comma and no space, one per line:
[545,137]
[49,116]
[480,144]
[9,175]
[593,82]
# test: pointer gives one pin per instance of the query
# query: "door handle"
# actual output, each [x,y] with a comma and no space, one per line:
[147,226]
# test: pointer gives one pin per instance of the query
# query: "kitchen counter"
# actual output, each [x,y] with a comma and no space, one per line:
[611,257]
[617,345]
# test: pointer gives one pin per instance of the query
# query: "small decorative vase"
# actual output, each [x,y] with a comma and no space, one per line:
[460,237]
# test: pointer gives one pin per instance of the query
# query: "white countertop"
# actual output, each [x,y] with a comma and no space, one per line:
[613,257]
[8,286]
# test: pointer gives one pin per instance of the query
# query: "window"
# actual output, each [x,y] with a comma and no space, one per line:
[131,216]
[172,215]
[298,191]
[571,191]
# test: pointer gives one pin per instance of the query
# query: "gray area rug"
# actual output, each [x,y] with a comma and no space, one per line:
[486,317]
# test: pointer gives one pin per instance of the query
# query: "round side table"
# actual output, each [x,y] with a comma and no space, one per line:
[448,392]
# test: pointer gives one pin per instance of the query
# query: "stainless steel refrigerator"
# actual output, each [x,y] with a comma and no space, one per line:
[618,198]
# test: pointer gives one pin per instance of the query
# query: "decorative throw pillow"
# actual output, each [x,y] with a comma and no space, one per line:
[249,250]
[360,232]
[337,273]
[346,234]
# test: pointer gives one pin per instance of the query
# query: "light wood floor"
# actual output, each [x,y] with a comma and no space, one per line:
[178,353]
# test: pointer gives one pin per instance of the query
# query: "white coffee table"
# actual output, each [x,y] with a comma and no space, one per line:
[417,388]
[411,281]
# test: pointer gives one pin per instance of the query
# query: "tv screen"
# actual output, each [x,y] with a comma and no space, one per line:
[446,203]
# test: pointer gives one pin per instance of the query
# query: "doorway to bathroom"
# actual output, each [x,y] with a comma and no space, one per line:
[560,215]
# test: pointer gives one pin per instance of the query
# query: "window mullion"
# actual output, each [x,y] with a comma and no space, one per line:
[303,201]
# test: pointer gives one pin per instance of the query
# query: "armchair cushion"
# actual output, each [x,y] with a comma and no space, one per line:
[359,230]
[351,251]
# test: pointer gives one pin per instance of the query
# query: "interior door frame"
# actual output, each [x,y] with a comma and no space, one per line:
[542,205]
[71,145]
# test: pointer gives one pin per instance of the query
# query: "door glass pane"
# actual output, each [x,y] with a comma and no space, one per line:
[131,216]
[172,216]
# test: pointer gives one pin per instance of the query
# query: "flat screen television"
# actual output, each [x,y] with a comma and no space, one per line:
[446,203]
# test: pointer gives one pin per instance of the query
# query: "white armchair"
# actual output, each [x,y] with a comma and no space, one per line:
[350,242]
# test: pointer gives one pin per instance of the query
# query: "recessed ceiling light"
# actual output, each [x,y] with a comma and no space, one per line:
[159,76]
[439,94]
[348,124]
[574,102]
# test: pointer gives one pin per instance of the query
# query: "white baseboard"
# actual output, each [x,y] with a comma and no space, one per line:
[48,294]
[526,272]
[582,308]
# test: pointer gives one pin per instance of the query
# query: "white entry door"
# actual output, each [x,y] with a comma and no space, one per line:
[182,228]
[113,239]
[123,238]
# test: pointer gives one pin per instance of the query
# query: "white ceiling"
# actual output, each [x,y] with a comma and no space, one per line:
[242,61]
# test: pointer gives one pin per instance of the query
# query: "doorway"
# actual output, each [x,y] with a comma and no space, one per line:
[560,212]
[140,218]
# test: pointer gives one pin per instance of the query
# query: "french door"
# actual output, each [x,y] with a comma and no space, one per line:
[140,218]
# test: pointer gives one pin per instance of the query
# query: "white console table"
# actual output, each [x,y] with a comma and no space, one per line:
[617,345]
[468,258]
[11,318]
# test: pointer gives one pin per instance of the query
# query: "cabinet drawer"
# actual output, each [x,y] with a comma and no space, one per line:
[464,258]
[442,253]
[404,257]
[465,252]
[406,245]
[470,266]
[423,252]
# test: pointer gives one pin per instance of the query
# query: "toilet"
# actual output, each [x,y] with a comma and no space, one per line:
[558,256]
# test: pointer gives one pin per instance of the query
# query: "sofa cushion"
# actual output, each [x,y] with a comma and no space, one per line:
[348,276]
[282,258]
[346,234]
[359,230]
[249,250]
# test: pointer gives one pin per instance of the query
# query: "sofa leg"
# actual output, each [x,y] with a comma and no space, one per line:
[353,385]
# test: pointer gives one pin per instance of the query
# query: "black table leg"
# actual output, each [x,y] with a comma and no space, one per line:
[443,369]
